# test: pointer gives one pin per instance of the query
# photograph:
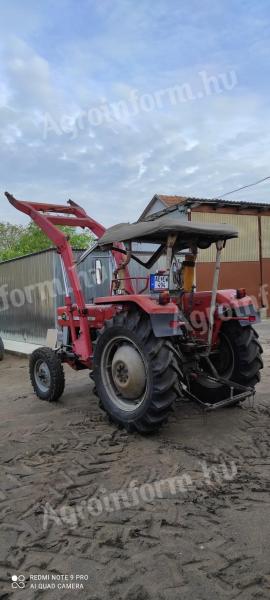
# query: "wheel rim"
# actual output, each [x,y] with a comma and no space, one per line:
[124,373]
[42,376]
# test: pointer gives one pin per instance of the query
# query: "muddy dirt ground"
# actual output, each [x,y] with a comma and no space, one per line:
[208,541]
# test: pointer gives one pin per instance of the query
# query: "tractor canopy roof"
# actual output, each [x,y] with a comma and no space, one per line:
[157,229]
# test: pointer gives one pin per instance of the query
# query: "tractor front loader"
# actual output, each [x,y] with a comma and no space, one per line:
[146,347]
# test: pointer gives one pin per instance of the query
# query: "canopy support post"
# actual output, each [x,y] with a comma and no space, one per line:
[171,239]
[220,245]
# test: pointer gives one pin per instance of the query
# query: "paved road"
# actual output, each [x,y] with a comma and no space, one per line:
[206,538]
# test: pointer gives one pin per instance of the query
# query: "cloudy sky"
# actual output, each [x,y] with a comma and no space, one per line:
[110,101]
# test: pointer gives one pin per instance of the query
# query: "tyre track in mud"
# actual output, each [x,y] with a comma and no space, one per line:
[208,542]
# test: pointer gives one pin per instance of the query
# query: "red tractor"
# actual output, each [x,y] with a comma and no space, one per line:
[148,348]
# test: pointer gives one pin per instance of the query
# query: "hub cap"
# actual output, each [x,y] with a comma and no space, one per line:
[42,375]
[128,371]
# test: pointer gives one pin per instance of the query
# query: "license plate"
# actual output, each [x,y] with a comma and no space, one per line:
[159,282]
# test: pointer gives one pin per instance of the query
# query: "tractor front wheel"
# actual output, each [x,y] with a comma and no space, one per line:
[135,373]
[237,357]
[47,374]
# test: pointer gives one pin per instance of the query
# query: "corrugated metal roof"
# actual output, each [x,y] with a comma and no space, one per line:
[220,202]
[175,200]
[170,201]
[51,249]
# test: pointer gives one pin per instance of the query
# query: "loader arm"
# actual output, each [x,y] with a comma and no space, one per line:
[47,217]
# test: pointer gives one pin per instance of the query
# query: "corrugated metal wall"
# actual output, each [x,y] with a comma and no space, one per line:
[27,303]
[245,248]
[32,287]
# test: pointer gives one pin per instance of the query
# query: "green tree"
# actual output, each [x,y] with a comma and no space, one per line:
[18,240]
[9,235]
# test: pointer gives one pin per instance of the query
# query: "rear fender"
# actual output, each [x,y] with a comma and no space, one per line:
[165,319]
[167,325]
[237,308]
[232,309]
[247,315]
[229,308]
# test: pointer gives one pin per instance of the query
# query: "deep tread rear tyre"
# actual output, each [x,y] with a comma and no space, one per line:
[161,373]
[51,386]
[2,349]
[247,363]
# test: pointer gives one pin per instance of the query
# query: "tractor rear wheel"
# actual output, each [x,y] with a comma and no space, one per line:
[47,374]
[237,357]
[135,373]
[2,349]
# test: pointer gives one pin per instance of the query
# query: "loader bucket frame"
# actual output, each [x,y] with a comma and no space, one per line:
[48,217]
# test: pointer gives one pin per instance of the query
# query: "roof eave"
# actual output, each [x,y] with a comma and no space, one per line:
[149,206]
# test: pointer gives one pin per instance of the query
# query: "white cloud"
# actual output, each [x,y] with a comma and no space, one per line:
[28,74]
[200,147]
[191,170]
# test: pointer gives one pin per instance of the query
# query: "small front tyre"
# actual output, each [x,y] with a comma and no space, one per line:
[47,374]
